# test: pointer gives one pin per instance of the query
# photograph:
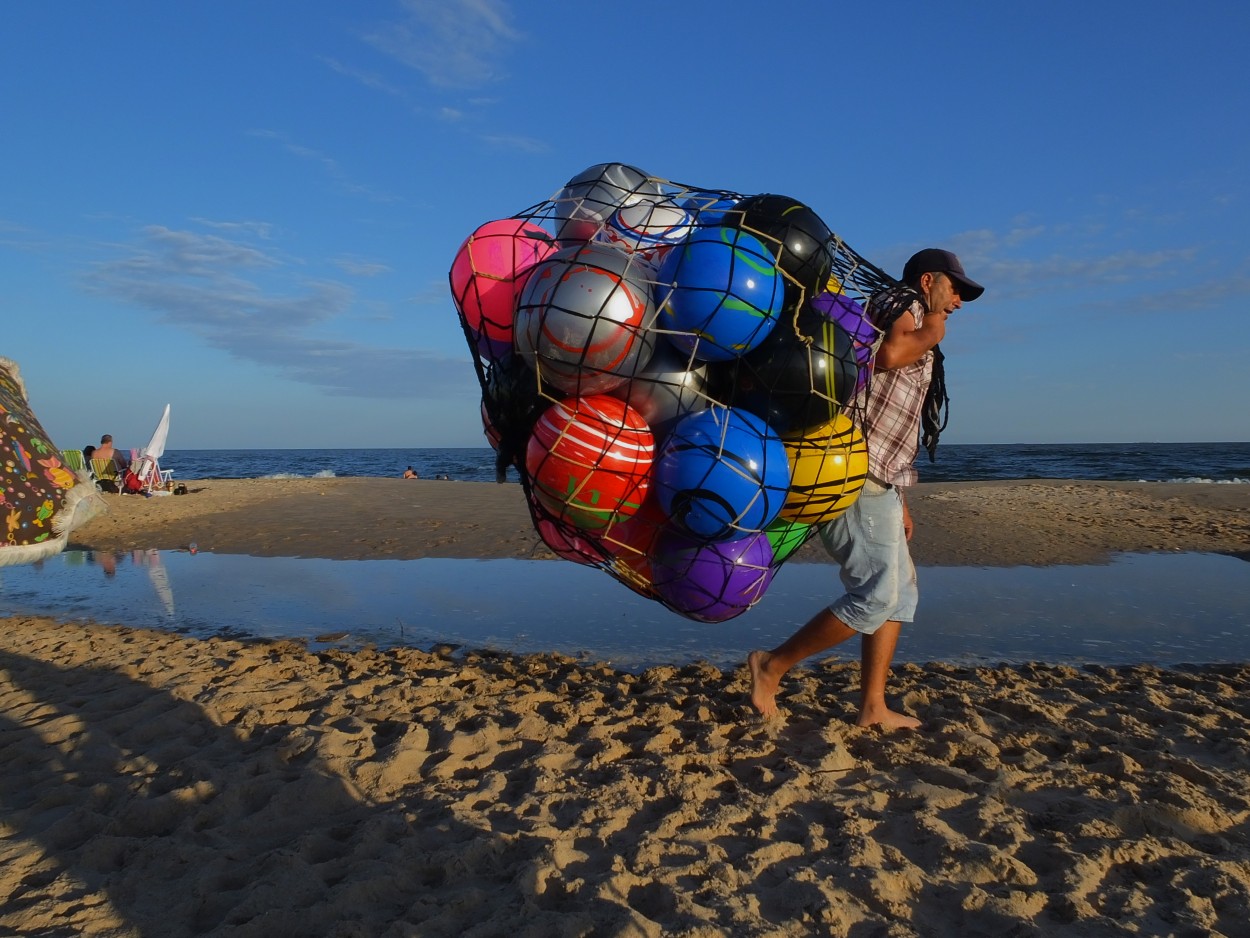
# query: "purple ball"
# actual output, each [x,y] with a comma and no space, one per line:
[850,316]
[711,582]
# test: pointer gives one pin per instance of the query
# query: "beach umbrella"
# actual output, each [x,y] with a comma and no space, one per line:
[149,457]
[156,446]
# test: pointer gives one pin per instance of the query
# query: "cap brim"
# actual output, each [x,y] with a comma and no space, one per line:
[969,290]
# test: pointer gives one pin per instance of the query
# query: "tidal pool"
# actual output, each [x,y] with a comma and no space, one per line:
[1163,609]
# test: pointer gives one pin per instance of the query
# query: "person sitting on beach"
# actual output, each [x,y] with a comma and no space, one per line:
[106,451]
[869,541]
[411,473]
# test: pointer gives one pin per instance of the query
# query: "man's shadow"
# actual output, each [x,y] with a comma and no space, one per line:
[151,819]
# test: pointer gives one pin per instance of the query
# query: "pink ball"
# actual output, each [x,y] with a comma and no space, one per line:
[488,273]
[567,542]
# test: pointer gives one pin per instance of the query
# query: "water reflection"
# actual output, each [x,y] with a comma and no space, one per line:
[1153,608]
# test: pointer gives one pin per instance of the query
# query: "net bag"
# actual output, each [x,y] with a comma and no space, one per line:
[675,374]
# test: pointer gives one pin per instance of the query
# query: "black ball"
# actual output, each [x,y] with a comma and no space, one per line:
[797,235]
[511,404]
[801,376]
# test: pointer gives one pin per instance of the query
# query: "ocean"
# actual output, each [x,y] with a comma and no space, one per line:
[1123,462]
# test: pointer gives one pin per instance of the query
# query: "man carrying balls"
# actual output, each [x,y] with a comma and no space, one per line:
[869,540]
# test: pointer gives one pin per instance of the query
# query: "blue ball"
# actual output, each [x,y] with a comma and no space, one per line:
[709,208]
[722,474]
[720,293]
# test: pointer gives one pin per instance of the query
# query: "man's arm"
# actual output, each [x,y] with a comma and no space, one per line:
[905,343]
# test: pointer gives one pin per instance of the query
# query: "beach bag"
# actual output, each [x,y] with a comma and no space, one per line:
[132,483]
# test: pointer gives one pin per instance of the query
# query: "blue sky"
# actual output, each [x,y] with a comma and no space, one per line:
[248,210]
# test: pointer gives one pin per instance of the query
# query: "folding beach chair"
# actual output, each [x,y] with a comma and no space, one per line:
[150,473]
[107,474]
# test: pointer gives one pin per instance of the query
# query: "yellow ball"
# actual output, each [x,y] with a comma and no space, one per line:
[827,471]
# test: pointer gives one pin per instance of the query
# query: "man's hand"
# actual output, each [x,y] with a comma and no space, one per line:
[907,523]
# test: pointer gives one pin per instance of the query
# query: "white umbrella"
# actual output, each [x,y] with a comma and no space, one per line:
[156,445]
[149,456]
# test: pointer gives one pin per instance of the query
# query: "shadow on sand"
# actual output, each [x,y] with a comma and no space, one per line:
[128,810]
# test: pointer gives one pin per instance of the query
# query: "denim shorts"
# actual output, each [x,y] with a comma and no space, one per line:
[869,544]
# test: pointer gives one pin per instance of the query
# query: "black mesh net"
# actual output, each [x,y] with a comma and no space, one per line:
[674,373]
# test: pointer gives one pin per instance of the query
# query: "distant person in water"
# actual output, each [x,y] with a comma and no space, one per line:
[411,473]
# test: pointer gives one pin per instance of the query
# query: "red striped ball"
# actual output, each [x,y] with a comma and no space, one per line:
[589,460]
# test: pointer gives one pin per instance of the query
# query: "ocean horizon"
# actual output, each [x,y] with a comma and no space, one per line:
[1216,463]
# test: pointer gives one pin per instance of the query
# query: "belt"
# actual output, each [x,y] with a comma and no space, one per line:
[874,486]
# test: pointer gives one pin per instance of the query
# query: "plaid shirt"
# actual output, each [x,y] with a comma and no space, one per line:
[890,416]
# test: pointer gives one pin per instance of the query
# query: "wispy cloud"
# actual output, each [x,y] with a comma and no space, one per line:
[259,229]
[212,287]
[359,268]
[454,43]
[367,78]
[515,142]
[18,237]
[1064,273]
[460,48]
[1184,297]
[328,164]
[1078,261]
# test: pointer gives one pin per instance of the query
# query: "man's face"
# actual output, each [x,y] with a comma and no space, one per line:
[942,293]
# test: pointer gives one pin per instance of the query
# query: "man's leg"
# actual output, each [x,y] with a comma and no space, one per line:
[876,653]
[875,581]
[822,631]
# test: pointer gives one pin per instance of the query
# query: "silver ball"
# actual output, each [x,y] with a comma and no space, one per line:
[589,198]
[666,388]
[584,319]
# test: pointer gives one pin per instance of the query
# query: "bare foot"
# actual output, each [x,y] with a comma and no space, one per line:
[763,684]
[884,716]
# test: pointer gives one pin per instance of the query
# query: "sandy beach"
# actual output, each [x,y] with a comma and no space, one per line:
[154,785]
[962,523]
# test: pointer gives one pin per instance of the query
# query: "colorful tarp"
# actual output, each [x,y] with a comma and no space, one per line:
[41,500]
